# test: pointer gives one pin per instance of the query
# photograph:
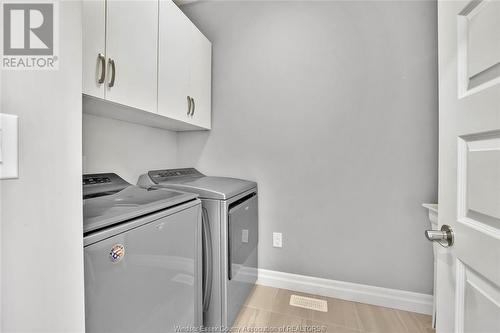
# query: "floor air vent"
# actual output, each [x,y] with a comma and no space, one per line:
[309,303]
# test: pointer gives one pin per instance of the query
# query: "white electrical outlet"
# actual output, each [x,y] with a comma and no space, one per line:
[277,239]
[244,236]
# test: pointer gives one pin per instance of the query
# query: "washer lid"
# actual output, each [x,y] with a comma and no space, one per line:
[221,188]
[108,200]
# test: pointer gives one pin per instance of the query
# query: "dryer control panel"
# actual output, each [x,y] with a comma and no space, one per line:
[158,176]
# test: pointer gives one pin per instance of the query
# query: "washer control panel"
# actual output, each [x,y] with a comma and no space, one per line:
[102,183]
[95,180]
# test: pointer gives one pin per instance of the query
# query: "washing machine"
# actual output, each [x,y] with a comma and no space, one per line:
[142,257]
[230,238]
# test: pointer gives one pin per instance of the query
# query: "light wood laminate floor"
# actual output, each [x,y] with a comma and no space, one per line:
[267,310]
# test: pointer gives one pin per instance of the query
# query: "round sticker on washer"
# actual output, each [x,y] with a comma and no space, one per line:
[117,253]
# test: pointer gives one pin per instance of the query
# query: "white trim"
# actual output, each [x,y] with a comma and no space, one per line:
[460,297]
[391,298]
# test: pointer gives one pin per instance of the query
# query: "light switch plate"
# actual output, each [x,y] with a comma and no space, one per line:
[9,145]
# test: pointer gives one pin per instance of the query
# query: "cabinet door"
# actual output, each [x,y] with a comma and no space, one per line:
[94,46]
[201,78]
[131,42]
[174,62]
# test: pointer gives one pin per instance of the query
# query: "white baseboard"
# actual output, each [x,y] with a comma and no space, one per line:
[390,298]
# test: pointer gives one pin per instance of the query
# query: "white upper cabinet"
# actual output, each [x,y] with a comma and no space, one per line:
[131,49]
[185,69]
[146,56]
[94,47]
[174,63]
[200,82]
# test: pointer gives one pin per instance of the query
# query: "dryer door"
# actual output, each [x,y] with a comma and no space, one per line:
[242,254]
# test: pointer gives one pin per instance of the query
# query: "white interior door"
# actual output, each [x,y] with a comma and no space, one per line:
[94,47]
[132,42]
[468,281]
[174,62]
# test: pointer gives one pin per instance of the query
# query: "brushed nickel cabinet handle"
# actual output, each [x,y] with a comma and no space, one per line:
[189,105]
[113,73]
[194,106]
[102,59]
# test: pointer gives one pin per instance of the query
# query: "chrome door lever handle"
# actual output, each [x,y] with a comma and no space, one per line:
[444,237]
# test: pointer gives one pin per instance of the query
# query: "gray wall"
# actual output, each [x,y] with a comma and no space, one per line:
[127,149]
[41,217]
[332,108]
